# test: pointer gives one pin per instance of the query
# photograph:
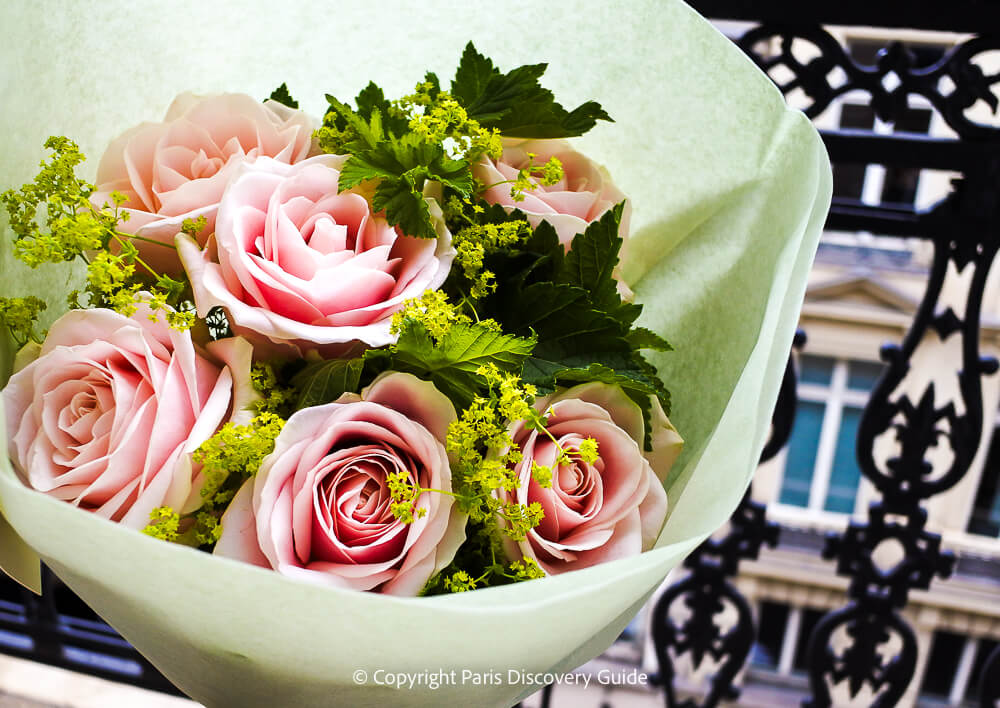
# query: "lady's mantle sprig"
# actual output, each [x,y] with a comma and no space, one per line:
[73,227]
[485,460]
[19,314]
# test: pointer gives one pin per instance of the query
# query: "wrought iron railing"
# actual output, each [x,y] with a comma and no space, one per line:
[964,232]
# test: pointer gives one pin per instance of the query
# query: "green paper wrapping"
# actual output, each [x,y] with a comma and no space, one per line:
[729,191]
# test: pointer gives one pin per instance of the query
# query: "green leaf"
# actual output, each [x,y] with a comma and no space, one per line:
[371,99]
[452,361]
[409,156]
[551,254]
[515,103]
[369,164]
[539,116]
[282,96]
[642,338]
[633,377]
[473,74]
[431,78]
[516,90]
[405,207]
[563,319]
[591,262]
[402,166]
[592,258]
[368,129]
[325,381]
[465,347]
[584,117]
[452,173]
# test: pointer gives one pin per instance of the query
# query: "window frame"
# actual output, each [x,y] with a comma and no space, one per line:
[834,397]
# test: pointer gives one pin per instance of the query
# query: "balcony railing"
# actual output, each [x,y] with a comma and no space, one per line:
[867,646]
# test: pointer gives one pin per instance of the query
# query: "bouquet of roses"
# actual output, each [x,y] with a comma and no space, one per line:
[388,355]
[390,351]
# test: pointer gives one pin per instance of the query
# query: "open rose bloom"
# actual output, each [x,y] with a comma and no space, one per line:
[109,413]
[729,191]
[319,507]
[599,511]
[582,196]
[178,169]
[294,263]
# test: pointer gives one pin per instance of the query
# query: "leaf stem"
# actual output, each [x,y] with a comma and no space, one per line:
[138,260]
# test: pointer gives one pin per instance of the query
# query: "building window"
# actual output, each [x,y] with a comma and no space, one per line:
[985,517]
[954,669]
[821,470]
[783,638]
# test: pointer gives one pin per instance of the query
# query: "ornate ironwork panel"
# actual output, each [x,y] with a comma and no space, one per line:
[889,82]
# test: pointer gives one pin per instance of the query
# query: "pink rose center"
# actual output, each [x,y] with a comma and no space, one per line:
[352,505]
[204,166]
[577,492]
[578,486]
[85,418]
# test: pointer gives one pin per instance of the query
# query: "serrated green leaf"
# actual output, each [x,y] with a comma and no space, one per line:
[368,129]
[452,362]
[584,117]
[473,74]
[592,258]
[405,207]
[629,374]
[452,173]
[539,116]
[465,347]
[410,158]
[325,381]
[282,96]
[642,338]
[562,318]
[505,93]
[368,164]
[371,98]
[544,241]
[515,103]
[431,78]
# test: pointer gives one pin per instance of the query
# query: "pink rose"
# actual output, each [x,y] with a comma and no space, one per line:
[601,511]
[107,416]
[178,169]
[319,507]
[293,262]
[582,196]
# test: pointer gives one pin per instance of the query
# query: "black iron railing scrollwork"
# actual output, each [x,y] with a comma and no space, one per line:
[918,421]
[889,83]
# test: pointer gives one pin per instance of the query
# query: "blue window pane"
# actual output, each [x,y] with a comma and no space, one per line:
[845,475]
[802,454]
[862,375]
[815,369]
